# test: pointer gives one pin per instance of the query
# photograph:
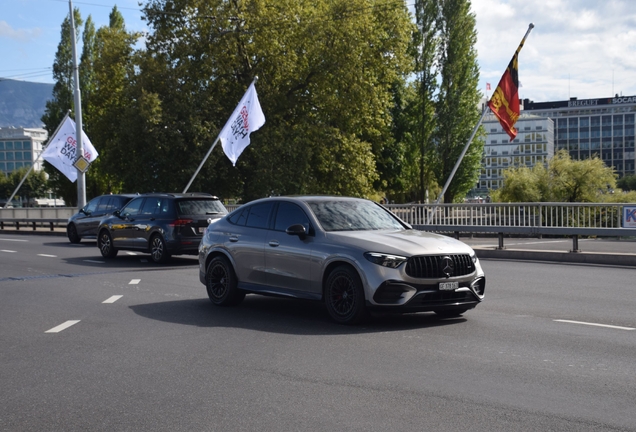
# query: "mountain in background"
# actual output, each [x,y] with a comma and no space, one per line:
[22,103]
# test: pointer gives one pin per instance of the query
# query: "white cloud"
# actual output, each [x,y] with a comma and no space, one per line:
[578,48]
[21,35]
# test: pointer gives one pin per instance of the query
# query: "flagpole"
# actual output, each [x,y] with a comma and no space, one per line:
[210,151]
[81,178]
[36,160]
[459,161]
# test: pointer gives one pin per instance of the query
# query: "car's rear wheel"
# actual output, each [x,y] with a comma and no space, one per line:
[451,313]
[344,296]
[105,245]
[71,232]
[221,283]
[158,250]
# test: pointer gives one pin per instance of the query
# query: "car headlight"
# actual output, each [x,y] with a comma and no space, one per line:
[385,260]
[473,256]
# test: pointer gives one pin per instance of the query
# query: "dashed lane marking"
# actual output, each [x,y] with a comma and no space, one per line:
[95,261]
[62,326]
[134,281]
[48,256]
[113,299]
[595,324]
[8,251]
[13,240]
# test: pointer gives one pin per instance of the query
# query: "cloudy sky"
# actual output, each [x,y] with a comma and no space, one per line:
[578,48]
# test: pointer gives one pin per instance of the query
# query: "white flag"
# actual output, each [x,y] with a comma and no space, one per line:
[62,148]
[246,118]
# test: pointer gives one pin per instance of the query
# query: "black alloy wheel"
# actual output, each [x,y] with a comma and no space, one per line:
[344,296]
[158,250]
[105,245]
[221,283]
[71,232]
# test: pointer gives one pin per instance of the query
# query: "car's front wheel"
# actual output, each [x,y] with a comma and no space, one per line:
[344,296]
[105,245]
[221,283]
[71,232]
[158,250]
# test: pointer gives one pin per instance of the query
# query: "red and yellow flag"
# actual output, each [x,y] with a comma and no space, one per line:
[504,102]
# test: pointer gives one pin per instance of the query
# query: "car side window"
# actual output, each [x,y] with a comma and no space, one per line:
[105,204]
[152,206]
[132,208]
[259,215]
[92,205]
[239,217]
[289,214]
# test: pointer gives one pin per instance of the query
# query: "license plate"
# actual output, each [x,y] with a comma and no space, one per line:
[448,286]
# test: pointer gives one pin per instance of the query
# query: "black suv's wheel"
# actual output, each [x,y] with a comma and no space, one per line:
[344,296]
[221,283]
[105,245]
[158,249]
[71,232]
[451,313]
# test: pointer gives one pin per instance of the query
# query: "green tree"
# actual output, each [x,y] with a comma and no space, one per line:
[564,180]
[112,72]
[457,100]
[422,110]
[327,70]
[34,186]
[62,102]
[627,183]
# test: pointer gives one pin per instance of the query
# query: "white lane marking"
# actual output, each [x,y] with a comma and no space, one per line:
[95,261]
[48,256]
[131,253]
[13,240]
[596,324]
[62,326]
[8,251]
[134,281]
[113,299]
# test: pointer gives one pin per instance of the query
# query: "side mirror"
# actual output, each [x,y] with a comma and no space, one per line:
[297,230]
[116,213]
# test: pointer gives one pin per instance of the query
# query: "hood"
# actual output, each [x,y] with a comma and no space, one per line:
[403,242]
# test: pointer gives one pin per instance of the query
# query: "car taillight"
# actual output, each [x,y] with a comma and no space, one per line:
[180,222]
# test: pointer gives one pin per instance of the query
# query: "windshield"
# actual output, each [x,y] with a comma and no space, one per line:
[353,216]
[200,207]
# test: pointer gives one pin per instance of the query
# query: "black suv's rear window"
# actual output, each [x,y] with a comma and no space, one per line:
[200,207]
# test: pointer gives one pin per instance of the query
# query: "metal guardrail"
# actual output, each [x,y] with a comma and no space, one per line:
[36,217]
[536,219]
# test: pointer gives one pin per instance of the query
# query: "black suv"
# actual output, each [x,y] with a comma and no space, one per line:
[85,222]
[160,224]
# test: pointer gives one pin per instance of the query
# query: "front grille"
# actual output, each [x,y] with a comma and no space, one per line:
[431,267]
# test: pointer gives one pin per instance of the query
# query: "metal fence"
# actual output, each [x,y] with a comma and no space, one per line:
[557,215]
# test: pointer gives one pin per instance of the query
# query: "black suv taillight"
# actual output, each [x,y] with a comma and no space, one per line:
[180,222]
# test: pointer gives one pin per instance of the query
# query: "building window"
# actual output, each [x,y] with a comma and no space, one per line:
[1,145]
[9,145]
[26,145]
[26,155]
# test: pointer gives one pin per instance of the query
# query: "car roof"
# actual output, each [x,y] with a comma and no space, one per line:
[182,195]
[306,198]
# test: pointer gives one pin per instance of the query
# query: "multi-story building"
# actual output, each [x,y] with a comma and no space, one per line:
[534,144]
[21,147]
[593,127]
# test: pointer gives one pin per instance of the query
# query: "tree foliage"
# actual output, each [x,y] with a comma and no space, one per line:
[326,71]
[564,180]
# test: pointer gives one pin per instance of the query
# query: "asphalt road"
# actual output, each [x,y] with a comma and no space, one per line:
[551,348]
